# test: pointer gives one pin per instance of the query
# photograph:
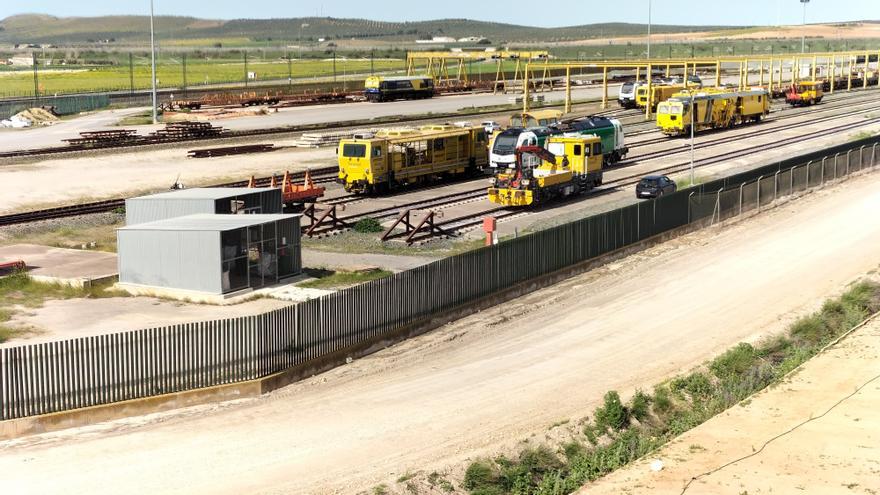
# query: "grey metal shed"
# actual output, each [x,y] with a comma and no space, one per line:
[215,254]
[219,200]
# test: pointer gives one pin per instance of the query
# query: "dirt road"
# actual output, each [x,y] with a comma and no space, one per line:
[834,453]
[486,381]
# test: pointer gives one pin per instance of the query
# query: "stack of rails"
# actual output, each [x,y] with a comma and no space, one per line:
[103,138]
[187,130]
[231,150]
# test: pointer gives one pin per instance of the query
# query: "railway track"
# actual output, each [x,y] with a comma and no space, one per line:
[322,175]
[328,174]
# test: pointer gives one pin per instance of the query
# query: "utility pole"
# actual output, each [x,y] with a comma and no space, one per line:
[289,73]
[649,32]
[153,61]
[184,76]
[693,115]
[804,27]
[36,79]
[372,53]
[130,74]
[334,65]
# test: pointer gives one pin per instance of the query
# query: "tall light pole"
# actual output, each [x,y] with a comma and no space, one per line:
[693,114]
[153,59]
[649,32]
[804,27]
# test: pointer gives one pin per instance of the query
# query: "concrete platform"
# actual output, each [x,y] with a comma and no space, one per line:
[66,266]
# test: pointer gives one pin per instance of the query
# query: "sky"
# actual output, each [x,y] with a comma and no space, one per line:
[561,13]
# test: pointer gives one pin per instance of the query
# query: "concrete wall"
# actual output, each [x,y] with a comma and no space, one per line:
[187,260]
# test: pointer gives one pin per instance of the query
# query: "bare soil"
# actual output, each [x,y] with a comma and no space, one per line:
[835,453]
[479,385]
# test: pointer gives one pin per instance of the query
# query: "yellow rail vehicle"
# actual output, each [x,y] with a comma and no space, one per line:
[714,109]
[399,157]
[804,93]
[565,166]
[660,93]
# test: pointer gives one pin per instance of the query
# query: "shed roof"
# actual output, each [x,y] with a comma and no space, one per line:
[211,223]
[205,193]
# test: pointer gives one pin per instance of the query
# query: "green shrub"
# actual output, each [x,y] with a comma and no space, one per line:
[368,225]
[572,449]
[735,361]
[662,401]
[612,414]
[481,473]
[640,405]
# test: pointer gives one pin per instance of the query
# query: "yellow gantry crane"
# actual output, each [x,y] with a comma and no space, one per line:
[453,66]
[774,72]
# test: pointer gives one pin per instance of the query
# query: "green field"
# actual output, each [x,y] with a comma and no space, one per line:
[92,70]
[169,73]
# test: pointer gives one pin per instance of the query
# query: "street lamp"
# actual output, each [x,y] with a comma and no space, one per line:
[649,32]
[804,28]
[693,113]
[153,61]
[301,26]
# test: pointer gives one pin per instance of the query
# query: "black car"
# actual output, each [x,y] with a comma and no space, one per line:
[653,186]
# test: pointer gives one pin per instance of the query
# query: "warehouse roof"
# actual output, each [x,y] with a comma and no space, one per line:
[207,222]
[205,193]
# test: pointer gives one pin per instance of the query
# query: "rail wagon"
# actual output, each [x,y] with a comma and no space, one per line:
[610,131]
[804,93]
[505,143]
[567,165]
[538,118]
[660,93]
[714,108]
[381,88]
[397,158]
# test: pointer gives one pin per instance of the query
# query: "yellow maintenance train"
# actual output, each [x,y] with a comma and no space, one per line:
[565,165]
[715,108]
[394,158]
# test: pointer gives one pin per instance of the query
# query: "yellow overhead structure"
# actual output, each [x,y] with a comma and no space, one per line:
[775,72]
[438,64]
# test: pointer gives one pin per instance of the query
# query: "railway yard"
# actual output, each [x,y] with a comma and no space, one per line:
[388,297]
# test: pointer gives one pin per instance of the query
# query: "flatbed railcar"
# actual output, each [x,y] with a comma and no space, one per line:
[715,108]
[394,159]
[382,88]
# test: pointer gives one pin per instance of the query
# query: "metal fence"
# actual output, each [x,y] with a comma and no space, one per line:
[57,376]
[63,105]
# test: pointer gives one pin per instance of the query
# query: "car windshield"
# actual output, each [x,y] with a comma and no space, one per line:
[504,144]
[650,181]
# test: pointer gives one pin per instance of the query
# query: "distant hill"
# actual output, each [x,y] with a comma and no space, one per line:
[39,28]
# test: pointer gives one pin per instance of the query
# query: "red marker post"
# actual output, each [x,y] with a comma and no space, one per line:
[489,229]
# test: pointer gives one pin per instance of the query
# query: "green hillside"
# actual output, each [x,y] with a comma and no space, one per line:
[38,28]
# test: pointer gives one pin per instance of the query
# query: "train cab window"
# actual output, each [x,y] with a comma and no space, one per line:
[597,149]
[439,144]
[759,98]
[577,150]
[377,152]
[481,137]
[354,150]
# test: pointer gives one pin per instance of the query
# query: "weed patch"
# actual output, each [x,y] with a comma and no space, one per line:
[674,407]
